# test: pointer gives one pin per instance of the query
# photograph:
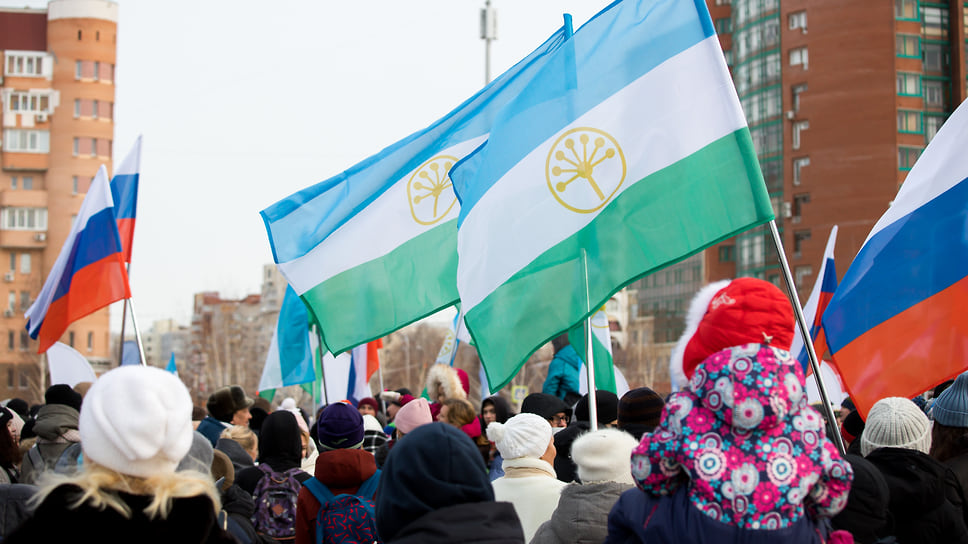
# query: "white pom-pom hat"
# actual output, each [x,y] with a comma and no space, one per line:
[524,435]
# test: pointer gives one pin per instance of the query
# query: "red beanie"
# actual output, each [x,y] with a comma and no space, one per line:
[742,311]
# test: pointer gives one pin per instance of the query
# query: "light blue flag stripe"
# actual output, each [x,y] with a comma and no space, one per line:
[303,220]
[295,353]
[596,67]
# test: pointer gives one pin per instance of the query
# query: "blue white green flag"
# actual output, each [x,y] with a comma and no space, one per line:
[375,248]
[601,349]
[628,152]
[290,357]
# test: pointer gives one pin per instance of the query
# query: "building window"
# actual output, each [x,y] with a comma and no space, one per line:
[723,26]
[28,102]
[26,141]
[767,139]
[97,70]
[76,146]
[908,84]
[10,372]
[799,201]
[11,301]
[798,165]
[11,342]
[94,147]
[13,262]
[763,105]
[24,64]
[24,263]
[28,183]
[934,57]
[801,273]
[908,46]
[78,69]
[934,23]
[932,124]
[797,90]
[798,57]
[798,20]
[24,382]
[13,182]
[70,338]
[97,35]
[909,121]
[90,341]
[13,218]
[799,237]
[752,251]
[726,254]
[935,93]
[906,10]
[723,2]
[907,156]
[798,127]
[24,300]
[94,109]
[77,108]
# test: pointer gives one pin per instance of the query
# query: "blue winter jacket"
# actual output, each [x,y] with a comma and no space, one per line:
[640,517]
[563,373]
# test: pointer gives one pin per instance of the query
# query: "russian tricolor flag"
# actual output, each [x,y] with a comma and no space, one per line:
[823,291]
[897,324]
[89,272]
[124,190]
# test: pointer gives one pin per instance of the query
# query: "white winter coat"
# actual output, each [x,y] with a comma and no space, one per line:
[532,487]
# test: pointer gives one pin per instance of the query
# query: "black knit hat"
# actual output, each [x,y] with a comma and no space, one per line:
[224,402]
[605,401]
[63,394]
[20,406]
[544,405]
[641,406]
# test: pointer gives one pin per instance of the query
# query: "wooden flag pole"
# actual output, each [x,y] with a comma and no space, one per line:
[589,357]
[807,341]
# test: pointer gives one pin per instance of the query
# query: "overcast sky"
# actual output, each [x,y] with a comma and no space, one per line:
[242,103]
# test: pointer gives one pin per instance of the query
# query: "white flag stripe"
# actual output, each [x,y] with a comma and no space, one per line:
[389,222]
[676,93]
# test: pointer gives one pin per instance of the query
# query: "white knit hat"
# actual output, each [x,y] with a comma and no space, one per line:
[603,456]
[524,435]
[895,422]
[137,420]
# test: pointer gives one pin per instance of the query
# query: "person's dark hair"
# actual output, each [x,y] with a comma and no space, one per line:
[559,342]
[940,388]
[948,442]
[10,455]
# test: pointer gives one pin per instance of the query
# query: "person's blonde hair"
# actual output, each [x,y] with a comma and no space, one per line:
[241,434]
[100,487]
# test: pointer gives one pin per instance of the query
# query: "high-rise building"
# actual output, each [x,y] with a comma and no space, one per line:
[840,98]
[57,94]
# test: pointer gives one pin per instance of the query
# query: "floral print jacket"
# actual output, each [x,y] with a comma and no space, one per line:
[743,439]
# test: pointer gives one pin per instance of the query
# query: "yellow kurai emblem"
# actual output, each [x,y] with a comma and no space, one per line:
[430,192]
[585,168]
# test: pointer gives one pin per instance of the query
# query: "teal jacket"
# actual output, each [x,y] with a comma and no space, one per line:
[563,373]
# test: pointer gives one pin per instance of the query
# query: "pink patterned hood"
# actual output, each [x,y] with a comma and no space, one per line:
[754,453]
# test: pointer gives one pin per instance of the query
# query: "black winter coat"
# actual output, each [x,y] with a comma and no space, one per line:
[469,523]
[191,520]
[925,497]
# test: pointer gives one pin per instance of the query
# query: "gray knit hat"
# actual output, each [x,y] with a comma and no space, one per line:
[896,422]
[951,408]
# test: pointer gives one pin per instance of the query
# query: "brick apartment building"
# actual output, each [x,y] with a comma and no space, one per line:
[57,95]
[841,98]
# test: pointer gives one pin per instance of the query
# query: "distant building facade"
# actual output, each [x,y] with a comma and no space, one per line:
[57,117]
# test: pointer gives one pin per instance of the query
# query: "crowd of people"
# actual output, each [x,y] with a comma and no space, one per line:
[736,454]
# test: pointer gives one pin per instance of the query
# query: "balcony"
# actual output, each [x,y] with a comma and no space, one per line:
[26,239]
[23,199]
[13,160]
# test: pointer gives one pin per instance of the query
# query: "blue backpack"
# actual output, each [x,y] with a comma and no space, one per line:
[344,518]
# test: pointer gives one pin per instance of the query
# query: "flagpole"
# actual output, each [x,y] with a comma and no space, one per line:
[589,357]
[453,352]
[807,342]
[383,401]
[124,318]
[137,336]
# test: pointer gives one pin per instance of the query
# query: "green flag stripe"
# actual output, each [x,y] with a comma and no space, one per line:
[696,202]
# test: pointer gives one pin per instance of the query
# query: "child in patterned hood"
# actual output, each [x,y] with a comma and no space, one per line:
[740,431]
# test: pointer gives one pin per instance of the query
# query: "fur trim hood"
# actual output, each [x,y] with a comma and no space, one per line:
[441,374]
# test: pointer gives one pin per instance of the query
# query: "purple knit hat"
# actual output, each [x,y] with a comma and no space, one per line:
[340,427]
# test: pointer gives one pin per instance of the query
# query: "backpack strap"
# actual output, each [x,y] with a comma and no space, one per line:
[319,490]
[368,489]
